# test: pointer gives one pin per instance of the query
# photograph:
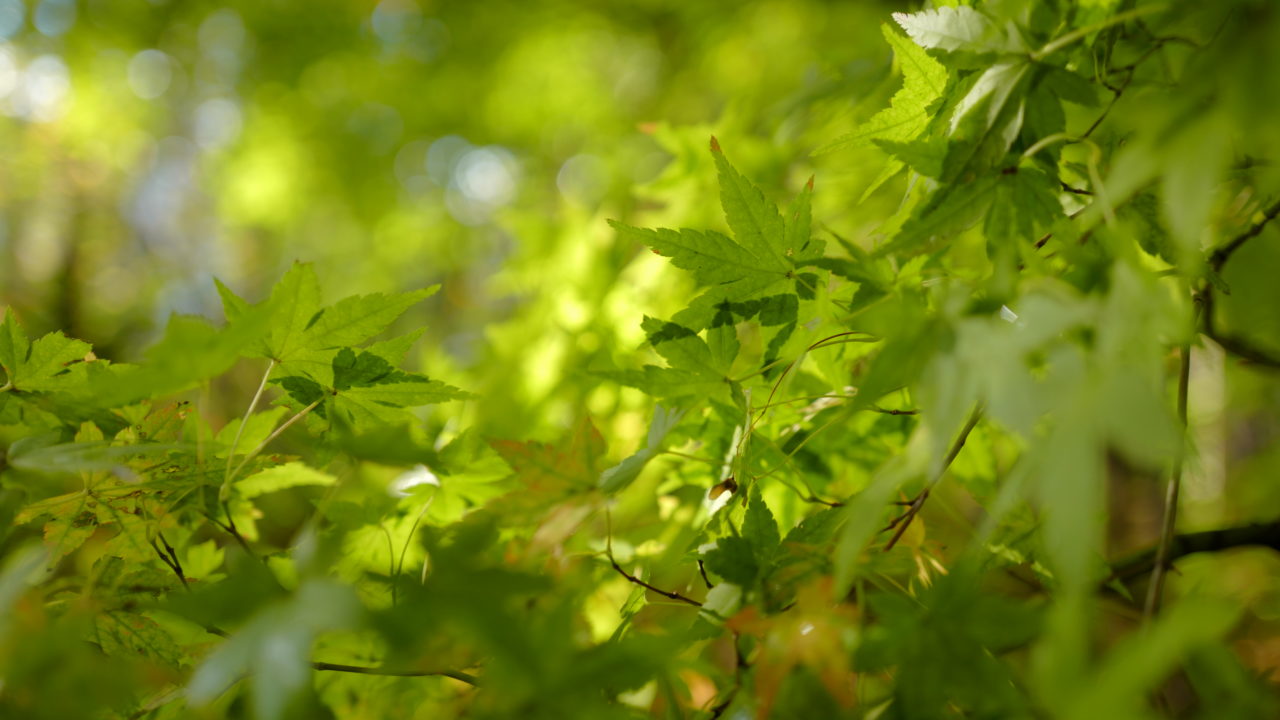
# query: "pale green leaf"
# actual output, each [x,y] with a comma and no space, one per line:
[356,319]
[624,473]
[757,226]
[956,29]
[36,366]
[293,304]
[130,635]
[713,258]
[923,82]
[280,477]
[258,427]
[950,210]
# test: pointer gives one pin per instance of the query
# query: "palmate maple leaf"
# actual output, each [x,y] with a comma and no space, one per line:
[816,633]
[552,480]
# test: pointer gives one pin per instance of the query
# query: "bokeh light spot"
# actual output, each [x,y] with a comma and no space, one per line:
[150,73]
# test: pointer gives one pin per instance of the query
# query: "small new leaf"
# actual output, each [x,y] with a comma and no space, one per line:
[35,366]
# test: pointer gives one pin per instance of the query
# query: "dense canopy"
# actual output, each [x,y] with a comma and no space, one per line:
[563,359]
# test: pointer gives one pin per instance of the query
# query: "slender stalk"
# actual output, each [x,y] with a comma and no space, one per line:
[226,476]
[1254,535]
[467,678]
[409,538]
[1045,142]
[688,456]
[1220,256]
[903,521]
[608,551]
[275,434]
[1156,590]
[1081,33]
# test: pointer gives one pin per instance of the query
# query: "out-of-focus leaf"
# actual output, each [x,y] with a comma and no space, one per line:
[618,477]
[280,477]
[923,81]
[35,366]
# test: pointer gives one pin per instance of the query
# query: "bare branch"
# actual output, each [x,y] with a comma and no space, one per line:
[903,521]
[467,678]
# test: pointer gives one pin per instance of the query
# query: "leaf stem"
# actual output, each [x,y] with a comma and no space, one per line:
[171,560]
[608,551]
[1254,535]
[903,521]
[1155,590]
[275,434]
[1222,254]
[647,586]
[1080,33]
[231,453]
[1045,142]
[458,675]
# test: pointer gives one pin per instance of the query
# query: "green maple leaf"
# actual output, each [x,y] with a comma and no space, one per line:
[958,29]
[986,120]
[951,209]
[923,81]
[1025,206]
[762,257]
[303,331]
[696,369]
[367,390]
[36,366]
[191,351]
[683,348]
[280,477]
[760,529]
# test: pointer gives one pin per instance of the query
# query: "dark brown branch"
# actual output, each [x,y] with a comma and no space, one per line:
[467,678]
[889,411]
[170,560]
[1155,592]
[231,530]
[1234,344]
[1242,348]
[903,521]
[702,570]
[1255,535]
[740,666]
[647,586]
[1220,256]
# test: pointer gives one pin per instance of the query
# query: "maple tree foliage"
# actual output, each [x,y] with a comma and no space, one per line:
[875,478]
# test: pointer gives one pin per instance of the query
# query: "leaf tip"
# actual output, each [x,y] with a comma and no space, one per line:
[715,144]
[809,185]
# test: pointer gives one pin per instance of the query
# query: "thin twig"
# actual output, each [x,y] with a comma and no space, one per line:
[231,530]
[231,453]
[1156,589]
[703,572]
[275,434]
[740,666]
[1233,344]
[647,586]
[1254,535]
[903,521]
[467,678]
[170,561]
[1222,254]
[608,550]
[1080,33]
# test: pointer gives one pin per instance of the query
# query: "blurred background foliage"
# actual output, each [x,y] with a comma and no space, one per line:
[155,145]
